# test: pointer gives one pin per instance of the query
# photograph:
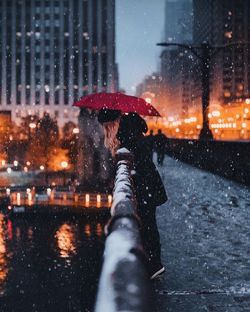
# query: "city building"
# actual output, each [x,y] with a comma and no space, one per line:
[178,21]
[53,52]
[5,125]
[150,89]
[223,22]
[226,24]
[176,70]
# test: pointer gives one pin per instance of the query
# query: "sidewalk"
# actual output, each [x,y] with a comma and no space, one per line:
[205,234]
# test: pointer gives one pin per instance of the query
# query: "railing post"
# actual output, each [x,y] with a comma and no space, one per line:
[124,283]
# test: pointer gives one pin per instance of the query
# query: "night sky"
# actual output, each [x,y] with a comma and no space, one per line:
[139,26]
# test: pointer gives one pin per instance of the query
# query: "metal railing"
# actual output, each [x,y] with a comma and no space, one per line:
[124,283]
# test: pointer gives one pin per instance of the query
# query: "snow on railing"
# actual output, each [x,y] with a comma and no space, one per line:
[124,282]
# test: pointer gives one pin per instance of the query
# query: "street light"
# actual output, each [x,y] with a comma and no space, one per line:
[32,126]
[64,164]
[205,56]
[148,100]
[76,130]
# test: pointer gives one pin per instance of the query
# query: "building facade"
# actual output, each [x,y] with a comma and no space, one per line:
[175,63]
[53,52]
[220,23]
[178,21]
[150,90]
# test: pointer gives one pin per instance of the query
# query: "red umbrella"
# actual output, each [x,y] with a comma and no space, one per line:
[117,101]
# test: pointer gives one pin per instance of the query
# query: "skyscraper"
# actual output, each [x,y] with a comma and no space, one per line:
[53,52]
[178,21]
[175,64]
[222,22]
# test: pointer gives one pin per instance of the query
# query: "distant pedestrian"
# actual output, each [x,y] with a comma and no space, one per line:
[150,140]
[160,146]
[128,131]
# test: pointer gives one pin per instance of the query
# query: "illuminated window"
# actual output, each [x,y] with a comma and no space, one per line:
[227,94]
[240,86]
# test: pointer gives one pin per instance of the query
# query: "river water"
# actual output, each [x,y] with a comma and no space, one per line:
[49,264]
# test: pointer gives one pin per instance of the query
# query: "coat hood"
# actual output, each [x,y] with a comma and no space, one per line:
[107,115]
[131,126]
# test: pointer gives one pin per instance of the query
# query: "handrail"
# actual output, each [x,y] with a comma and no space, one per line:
[124,283]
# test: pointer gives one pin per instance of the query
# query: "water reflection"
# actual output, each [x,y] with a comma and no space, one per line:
[10,230]
[66,240]
[50,264]
[99,229]
[18,233]
[30,233]
[87,230]
[3,256]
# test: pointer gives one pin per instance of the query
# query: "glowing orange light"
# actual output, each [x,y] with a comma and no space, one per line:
[18,198]
[247,101]
[64,164]
[32,125]
[110,199]
[148,100]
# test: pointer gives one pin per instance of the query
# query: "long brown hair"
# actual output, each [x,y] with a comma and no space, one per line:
[110,131]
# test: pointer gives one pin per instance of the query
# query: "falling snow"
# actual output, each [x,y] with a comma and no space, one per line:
[205,237]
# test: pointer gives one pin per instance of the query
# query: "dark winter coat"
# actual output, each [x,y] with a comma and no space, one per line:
[150,140]
[149,189]
[160,142]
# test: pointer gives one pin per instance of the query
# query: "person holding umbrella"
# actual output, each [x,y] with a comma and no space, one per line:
[127,130]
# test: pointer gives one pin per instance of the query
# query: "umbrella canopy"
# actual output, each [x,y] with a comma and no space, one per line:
[117,101]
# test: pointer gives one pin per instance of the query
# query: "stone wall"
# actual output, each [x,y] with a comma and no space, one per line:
[226,158]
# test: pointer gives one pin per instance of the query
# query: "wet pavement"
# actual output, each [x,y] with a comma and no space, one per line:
[49,264]
[205,233]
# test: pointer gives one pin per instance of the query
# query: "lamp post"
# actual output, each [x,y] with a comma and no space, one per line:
[205,55]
